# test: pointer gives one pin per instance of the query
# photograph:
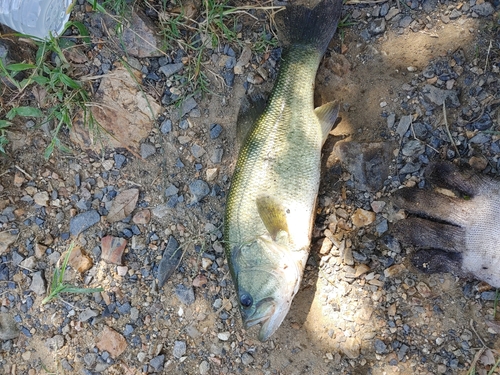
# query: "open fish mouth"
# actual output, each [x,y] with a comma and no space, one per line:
[269,315]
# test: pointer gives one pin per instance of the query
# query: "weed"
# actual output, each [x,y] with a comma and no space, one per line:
[57,286]
[59,96]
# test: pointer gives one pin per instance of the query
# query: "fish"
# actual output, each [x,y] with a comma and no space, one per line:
[271,203]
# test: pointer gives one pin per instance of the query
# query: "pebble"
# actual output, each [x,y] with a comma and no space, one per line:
[38,283]
[217,154]
[147,150]
[362,218]
[111,342]
[215,131]
[169,261]
[224,336]
[142,217]
[112,249]
[119,160]
[404,125]
[166,126]
[41,198]
[188,105]
[157,362]
[7,238]
[171,69]
[204,367]
[197,151]
[8,327]
[87,314]
[246,359]
[377,26]
[199,189]
[380,346]
[83,221]
[185,294]
[179,349]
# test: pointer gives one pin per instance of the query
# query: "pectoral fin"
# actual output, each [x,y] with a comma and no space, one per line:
[273,216]
[327,115]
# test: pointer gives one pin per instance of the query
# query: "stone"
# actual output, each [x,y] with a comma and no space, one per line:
[169,261]
[87,314]
[83,221]
[362,218]
[147,150]
[140,38]
[404,125]
[8,327]
[484,10]
[440,96]
[111,342]
[377,26]
[166,126]
[223,336]
[142,217]
[41,198]
[119,160]
[179,349]
[185,294]
[215,130]
[38,283]
[78,260]
[112,249]
[157,362]
[199,189]
[188,105]
[204,367]
[7,238]
[171,69]
[197,151]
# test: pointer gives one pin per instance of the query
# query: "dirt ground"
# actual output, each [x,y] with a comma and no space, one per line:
[374,323]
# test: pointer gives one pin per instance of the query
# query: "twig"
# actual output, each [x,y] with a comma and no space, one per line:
[448,129]
[24,172]
[488,55]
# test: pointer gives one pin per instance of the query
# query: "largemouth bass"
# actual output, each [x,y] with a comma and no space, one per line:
[272,200]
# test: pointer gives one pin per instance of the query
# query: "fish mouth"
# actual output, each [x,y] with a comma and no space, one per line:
[270,314]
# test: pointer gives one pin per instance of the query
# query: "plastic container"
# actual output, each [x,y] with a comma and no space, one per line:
[38,18]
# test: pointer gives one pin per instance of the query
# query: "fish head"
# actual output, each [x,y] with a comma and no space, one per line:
[267,277]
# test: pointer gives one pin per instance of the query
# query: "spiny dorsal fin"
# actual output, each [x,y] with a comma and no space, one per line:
[273,216]
[327,115]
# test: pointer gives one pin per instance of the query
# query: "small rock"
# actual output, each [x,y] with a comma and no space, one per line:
[111,342]
[246,359]
[87,314]
[478,163]
[211,174]
[169,261]
[161,211]
[55,342]
[361,270]
[223,336]
[41,198]
[204,368]
[7,238]
[142,217]
[377,206]
[112,249]
[78,260]
[188,105]
[377,26]
[484,10]
[424,290]
[413,148]
[380,346]
[166,126]
[179,349]
[197,151]
[199,189]
[361,217]
[19,179]
[394,270]
[440,96]
[171,69]
[391,13]
[147,149]
[404,125]
[8,327]
[119,160]
[121,270]
[185,294]
[199,281]
[157,362]
[83,221]
[38,283]
[215,130]
[108,164]
[217,154]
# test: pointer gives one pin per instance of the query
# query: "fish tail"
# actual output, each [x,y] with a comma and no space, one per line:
[314,27]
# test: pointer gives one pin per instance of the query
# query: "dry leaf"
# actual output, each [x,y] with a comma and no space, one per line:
[123,205]
[488,358]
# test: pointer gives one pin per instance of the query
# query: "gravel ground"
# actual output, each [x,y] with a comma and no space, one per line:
[362,308]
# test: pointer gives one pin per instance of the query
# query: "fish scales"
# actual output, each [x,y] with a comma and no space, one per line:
[271,203]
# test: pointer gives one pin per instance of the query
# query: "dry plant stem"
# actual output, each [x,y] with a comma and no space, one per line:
[448,129]
[488,55]
[24,172]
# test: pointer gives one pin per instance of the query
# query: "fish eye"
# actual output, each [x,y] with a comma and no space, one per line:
[246,300]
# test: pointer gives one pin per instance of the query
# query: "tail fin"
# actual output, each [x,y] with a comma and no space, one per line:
[301,25]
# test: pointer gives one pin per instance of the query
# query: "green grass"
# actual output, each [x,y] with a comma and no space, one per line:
[57,286]
[48,77]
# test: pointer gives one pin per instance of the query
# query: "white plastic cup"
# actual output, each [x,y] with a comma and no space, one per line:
[38,18]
